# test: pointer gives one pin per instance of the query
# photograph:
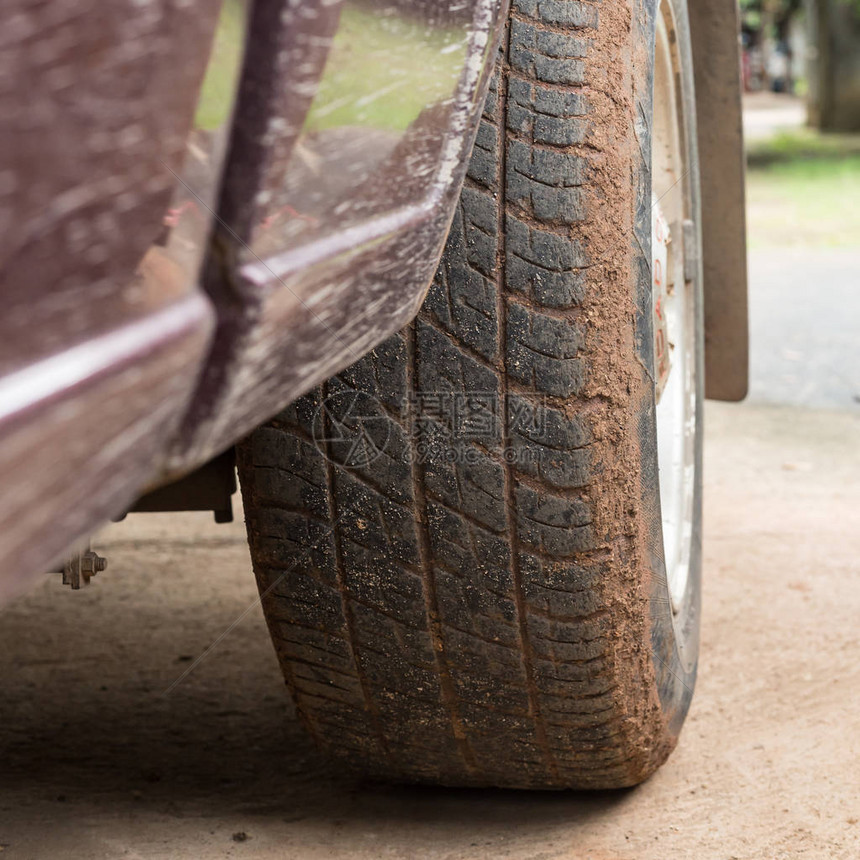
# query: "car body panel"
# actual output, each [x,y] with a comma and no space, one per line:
[103,332]
[340,185]
[82,429]
[107,328]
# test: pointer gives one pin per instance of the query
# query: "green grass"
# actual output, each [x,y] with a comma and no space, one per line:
[802,146]
[803,188]
[382,71]
[216,95]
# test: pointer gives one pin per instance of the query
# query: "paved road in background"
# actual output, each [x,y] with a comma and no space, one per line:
[805,327]
[766,114]
[804,301]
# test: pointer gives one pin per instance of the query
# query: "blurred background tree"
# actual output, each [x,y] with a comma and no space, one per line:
[810,48]
[834,91]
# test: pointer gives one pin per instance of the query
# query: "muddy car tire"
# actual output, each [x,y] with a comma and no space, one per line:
[459,540]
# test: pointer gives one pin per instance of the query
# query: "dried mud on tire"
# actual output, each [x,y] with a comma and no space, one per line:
[497,615]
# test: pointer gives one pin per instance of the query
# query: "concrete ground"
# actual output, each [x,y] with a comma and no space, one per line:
[99,762]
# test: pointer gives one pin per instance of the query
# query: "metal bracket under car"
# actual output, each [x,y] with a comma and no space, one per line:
[80,567]
[714,27]
[208,488]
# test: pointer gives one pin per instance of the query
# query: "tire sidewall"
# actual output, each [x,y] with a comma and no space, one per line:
[674,635]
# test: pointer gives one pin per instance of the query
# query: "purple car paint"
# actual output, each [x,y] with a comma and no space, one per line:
[344,155]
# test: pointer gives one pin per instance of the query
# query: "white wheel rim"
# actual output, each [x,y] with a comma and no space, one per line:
[674,312]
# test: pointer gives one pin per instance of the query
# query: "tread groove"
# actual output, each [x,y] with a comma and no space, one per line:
[369,703]
[510,500]
[448,690]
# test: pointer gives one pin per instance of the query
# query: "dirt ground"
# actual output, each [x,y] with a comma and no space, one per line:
[99,762]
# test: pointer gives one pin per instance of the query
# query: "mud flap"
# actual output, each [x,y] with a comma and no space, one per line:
[714,28]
